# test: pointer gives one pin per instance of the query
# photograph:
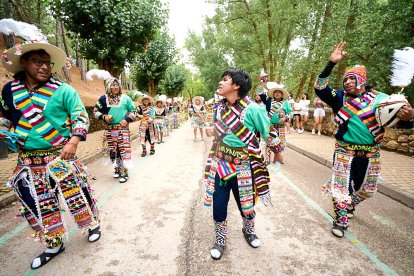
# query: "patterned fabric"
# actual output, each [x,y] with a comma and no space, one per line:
[221,232]
[228,120]
[116,143]
[45,175]
[361,107]
[248,225]
[360,73]
[321,83]
[198,116]
[31,108]
[147,125]
[338,185]
[160,119]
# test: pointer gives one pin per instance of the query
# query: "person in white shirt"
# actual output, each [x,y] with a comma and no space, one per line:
[289,122]
[304,113]
[297,107]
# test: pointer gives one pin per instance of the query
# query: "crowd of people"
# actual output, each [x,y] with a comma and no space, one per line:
[46,119]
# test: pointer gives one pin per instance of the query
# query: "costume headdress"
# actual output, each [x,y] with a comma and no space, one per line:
[360,74]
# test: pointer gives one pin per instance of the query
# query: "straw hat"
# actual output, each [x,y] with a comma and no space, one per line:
[161,98]
[11,58]
[199,98]
[273,87]
[145,96]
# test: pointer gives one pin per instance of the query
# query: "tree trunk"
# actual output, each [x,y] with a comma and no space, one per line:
[65,44]
[270,40]
[349,27]
[310,56]
[21,12]
[39,12]
[59,44]
[318,61]
[9,41]
[256,33]
[81,65]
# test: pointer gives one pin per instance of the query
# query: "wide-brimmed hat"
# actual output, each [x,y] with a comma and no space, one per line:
[161,98]
[145,96]
[199,98]
[274,86]
[11,57]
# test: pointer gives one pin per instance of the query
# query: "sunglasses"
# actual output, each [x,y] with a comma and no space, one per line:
[40,62]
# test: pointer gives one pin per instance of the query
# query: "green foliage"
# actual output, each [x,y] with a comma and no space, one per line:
[259,33]
[111,32]
[150,66]
[133,94]
[208,56]
[195,86]
[174,80]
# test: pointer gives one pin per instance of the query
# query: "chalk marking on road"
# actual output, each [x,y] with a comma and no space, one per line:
[8,235]
[390,224]
[354,239]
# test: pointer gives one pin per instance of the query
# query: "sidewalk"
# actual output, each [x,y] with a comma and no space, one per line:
[87,152]
[397,170]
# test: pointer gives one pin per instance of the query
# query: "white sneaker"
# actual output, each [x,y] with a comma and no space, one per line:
[319,133]
[313,131]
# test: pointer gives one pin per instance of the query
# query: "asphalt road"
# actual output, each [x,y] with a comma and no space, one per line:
[155,224]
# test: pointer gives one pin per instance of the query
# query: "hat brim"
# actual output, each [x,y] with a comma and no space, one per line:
[151,100]
[57,56]
[198,98]
[285,94]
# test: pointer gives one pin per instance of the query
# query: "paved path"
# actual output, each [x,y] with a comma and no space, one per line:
[397,170]
[156,224]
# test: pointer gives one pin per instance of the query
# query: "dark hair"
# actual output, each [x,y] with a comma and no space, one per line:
[241,78]
[40,52]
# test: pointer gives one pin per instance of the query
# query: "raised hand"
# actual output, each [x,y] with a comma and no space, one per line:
[338,53]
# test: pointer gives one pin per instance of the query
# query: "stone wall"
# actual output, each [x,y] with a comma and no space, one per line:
[398,140]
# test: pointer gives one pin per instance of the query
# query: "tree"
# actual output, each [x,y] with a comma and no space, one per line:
[195,86]
[111,32]
[150,66]
[174,80]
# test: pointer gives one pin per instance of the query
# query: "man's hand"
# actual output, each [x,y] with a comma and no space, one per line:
[338,53]
[108,118]
[2,135]
[69,150]
[406,113]
[124,123]
[209,131]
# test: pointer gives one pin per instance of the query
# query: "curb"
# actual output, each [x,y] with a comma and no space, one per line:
[8,198]
[393,193]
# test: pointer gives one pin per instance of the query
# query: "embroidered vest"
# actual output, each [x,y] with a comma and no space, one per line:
[362,107]
[32,111]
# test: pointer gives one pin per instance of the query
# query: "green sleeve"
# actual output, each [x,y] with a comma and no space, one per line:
[130,105]
[287,107]
[257,120]
[78,116]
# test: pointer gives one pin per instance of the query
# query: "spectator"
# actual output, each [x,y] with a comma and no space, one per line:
[297,107]
[304,113]
[318,115]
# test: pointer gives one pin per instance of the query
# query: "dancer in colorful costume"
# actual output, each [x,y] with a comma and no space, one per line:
[278,108]
[357,149]
[234,163]
[160,117]
[117,111]
[147,131]
[49,120]
[198,114]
